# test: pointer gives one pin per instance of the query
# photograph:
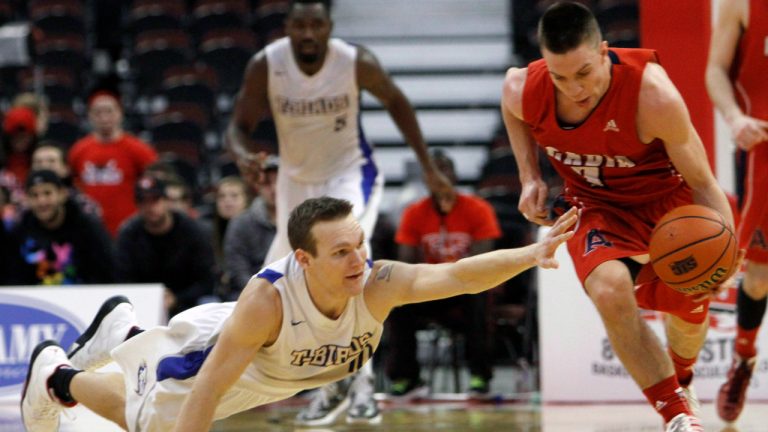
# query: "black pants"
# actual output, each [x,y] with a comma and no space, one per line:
[467,314]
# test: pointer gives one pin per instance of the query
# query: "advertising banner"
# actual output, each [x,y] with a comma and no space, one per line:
[30,315]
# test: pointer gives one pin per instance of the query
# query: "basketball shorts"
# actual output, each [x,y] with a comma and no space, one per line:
[604,233]
[356,185]
[753,229]
[152,403]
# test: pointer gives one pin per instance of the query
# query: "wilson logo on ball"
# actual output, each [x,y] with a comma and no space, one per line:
[692,249]
[684,265]
[717,277]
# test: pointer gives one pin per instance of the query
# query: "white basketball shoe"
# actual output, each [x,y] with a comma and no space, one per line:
[684,423]
[40,408]
[108,329]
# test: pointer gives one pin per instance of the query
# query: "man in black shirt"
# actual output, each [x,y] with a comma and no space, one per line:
[56,242]
[159,245]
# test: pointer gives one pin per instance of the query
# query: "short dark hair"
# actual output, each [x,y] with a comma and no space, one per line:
[309,213]
[565,26]
[325,3]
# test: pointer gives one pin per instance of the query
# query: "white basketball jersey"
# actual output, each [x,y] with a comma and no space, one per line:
[312,350]
[317,117]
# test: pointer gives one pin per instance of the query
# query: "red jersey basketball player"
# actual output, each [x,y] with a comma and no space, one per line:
[616,129]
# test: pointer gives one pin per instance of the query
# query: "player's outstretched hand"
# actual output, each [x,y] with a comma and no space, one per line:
[557,235]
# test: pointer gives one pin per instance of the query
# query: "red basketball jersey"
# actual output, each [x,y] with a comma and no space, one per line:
[602,158]
[751,63]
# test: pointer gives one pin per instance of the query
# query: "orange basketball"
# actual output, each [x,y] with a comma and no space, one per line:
[692,249]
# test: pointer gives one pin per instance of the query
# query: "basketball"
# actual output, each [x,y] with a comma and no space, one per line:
[692,249]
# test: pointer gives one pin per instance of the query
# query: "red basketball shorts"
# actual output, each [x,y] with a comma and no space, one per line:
[609,232]
[753,228]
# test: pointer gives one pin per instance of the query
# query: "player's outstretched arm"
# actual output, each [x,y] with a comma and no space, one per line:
[373,78]
[396,283]
[255,322]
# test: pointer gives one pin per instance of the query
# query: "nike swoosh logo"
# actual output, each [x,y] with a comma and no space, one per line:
[295,323]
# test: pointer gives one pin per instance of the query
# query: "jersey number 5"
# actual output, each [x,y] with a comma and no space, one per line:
[341,123]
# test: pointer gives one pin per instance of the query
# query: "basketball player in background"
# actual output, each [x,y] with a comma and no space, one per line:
[310,318]
[619,134]
[312,85]
[736,81]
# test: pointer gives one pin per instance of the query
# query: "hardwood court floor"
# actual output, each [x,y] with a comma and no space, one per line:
[500,417]
[449,416]
[443,417]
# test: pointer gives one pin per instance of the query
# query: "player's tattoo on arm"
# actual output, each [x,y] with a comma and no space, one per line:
[385,272]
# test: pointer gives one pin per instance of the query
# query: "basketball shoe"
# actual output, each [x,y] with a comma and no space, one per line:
[406,390]
[479,387]
[730,398]
[693,399]
[684,423]
[40,408]
[326,405]
[108,329]
[363,408]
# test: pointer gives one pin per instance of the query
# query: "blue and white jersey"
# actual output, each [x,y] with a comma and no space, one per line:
[312,349]
[318,116]
[160,365]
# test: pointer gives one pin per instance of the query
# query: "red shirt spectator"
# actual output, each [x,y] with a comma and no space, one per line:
[442,229]
[107,163]
[447,238]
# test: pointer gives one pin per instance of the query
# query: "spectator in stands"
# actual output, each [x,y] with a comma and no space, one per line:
[39,105]
[179,195]
[56,243]
[164,246]
[249,235]
[232,199]
[51,157]
[106,163]
[434,230]
[19,138]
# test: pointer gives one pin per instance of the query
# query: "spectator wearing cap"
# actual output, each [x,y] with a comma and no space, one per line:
[159,245]
[51,157]
[250,234]
[177,189]
[55,242]
[19,137]
[39,105]
[107,162]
